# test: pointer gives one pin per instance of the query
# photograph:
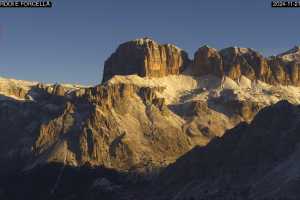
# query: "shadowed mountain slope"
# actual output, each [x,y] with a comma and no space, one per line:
[251,161]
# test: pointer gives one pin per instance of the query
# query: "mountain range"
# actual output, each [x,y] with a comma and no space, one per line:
[222,125]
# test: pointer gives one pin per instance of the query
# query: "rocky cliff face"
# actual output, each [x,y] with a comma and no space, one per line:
[119,126]
[244,61]
[145,57]
[206,61]
[235,62]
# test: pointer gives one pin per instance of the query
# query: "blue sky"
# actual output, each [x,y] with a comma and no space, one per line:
[70,42]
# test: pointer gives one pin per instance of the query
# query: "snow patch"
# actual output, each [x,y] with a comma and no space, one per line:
[182,88]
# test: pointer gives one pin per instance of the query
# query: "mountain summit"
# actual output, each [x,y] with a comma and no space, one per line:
[147,58]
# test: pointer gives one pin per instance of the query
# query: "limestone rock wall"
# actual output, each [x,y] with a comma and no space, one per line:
[235,62]
[145,57]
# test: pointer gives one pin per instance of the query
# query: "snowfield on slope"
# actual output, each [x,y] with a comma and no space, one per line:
[180,88]
[9,87]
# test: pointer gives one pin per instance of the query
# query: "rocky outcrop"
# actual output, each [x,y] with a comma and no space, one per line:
[119,126]
[286,73]
[206,61]
[235,62]
[145,57]
[245,61]
[232,62]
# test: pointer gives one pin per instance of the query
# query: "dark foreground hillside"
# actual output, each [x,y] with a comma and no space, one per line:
[251,161]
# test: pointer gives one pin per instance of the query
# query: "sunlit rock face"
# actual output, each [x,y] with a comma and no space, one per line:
[286,67]
[232,62]
[207,60]
[145,57]
[244,61]
[235,62]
